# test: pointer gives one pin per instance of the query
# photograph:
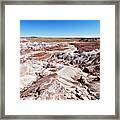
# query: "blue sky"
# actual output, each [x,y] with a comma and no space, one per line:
[60,28]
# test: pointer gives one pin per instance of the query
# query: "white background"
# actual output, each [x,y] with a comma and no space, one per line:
[104,13]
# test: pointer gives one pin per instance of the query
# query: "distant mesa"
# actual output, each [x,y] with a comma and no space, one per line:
[33,37]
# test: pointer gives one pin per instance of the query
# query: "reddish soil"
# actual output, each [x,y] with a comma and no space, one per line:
[24,51]
[87,46]
[41,56]
[60,48]
[24,41]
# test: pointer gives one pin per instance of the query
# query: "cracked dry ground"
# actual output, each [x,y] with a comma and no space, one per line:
[77,79]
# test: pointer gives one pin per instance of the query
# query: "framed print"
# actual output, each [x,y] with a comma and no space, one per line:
[59,59]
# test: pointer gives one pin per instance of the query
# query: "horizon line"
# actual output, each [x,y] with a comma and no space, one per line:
[62,36]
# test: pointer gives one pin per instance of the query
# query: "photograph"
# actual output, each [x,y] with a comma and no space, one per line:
[57,56]
[59,60]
